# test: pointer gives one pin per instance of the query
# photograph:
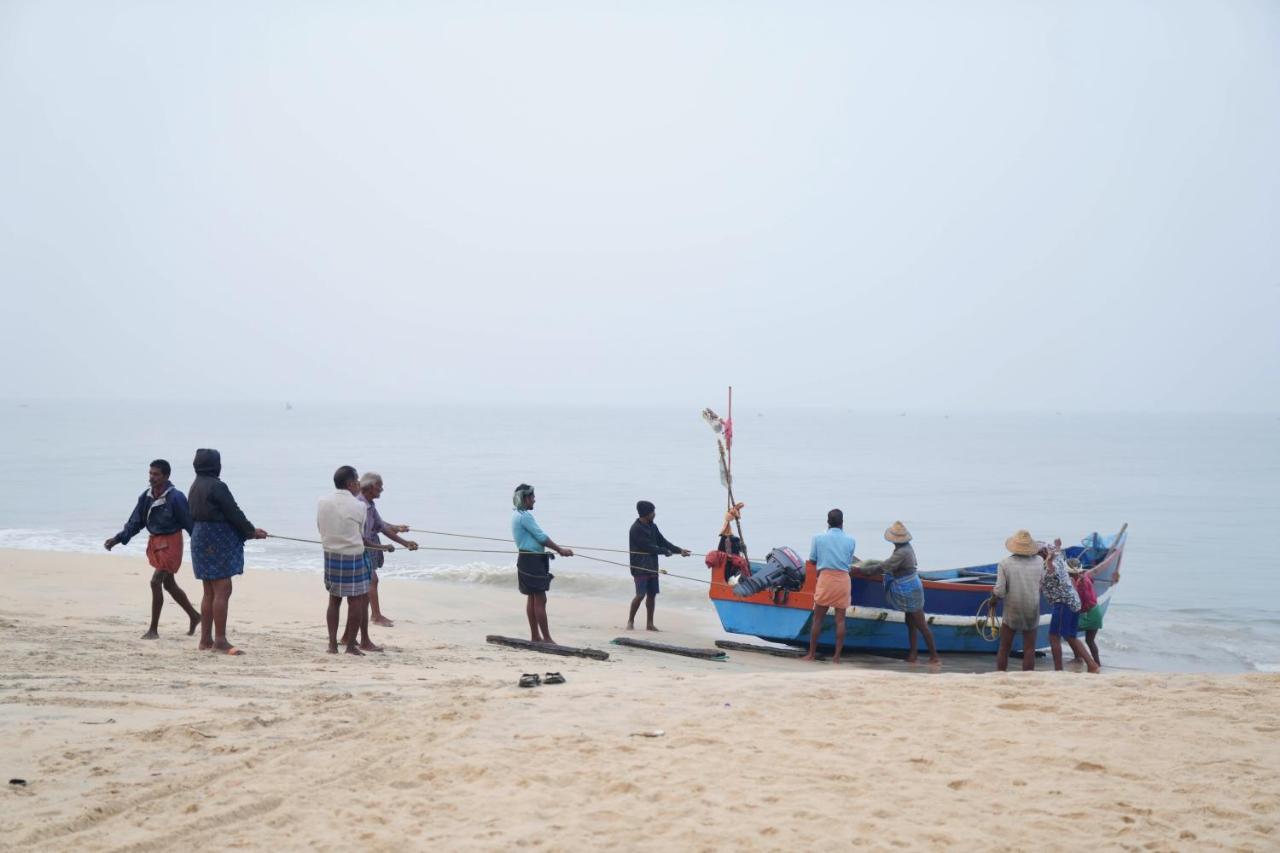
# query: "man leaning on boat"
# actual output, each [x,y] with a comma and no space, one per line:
[832,554]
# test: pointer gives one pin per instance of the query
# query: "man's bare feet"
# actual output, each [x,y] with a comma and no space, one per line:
[195,623]
[913,658]
[370,646]
[651,627]
[226,648]
[935,661]
[205,646]
[150,635]
[836,659]
[352,650]
[333,649]
[631,626]
[810,656]
[383,621]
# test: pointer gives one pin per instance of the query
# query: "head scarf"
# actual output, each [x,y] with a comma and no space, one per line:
[517,499]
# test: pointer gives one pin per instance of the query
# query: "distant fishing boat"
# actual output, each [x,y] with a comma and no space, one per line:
[952,600]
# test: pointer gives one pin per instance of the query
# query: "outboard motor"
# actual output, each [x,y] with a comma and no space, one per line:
[783,570]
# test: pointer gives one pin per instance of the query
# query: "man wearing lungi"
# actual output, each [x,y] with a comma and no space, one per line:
[533,564]
[163,511]
[340,518]
[832,554]
[646,543]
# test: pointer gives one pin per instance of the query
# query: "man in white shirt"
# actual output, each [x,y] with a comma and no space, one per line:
[340,518]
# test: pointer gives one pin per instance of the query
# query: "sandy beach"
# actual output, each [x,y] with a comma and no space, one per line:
[133,745]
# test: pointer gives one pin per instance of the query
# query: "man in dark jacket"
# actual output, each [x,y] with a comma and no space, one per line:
[217,547]
[163,511]
[647,542]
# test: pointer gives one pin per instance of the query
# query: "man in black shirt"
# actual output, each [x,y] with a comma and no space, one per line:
[647,542]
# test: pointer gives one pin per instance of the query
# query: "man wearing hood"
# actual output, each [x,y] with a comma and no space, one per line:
[163,511]
[218,535]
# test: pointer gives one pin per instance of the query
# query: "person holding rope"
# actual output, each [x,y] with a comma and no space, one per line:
[340,518]
[371,490]
[1018,585]
[164,512]
[647,542]
[533,565]
[218,532]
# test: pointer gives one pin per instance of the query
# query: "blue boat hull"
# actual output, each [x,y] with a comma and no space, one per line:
[952,600]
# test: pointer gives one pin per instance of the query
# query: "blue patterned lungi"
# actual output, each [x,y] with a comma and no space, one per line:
[905,593]
[346,575]
[217,551]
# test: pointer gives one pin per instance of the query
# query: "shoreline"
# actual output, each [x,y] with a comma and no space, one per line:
[433,742]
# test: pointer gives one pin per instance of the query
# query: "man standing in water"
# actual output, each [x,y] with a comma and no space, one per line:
[164,512]
[832,554]
[647,542]
[533,564]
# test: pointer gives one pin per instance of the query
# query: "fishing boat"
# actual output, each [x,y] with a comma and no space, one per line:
[953,598]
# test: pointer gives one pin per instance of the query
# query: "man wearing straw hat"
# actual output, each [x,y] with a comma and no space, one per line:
[903,589]
[832,554]
[1018,585]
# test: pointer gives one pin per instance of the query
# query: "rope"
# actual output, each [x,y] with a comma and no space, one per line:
[318,542]
[988,628]
[508,539]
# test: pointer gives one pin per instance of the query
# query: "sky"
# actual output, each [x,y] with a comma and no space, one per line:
[930,206]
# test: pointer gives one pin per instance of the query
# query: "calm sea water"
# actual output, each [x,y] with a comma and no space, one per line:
[1201,493]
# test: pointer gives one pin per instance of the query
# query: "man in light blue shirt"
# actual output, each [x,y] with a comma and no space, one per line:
[533,565]
[832,556]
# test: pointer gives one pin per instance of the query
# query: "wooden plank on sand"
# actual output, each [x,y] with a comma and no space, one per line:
[779,651]
[548,648]
[704,654]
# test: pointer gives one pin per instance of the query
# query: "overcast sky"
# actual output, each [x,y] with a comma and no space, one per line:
[938,206]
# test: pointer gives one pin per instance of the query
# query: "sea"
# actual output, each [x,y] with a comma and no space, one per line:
[1200,588]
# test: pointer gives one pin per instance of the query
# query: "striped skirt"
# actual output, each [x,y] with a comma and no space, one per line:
[346,575]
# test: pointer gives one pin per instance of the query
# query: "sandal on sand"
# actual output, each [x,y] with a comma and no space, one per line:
[553,678]
[530,679]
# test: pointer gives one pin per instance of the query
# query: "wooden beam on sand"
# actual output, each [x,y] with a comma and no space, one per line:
[779,651]
[703,654]
[547,648]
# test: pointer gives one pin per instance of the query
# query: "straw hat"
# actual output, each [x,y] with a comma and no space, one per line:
[897,533]
[1022,543]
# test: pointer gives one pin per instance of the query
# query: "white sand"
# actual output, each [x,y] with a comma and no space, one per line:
[133,745]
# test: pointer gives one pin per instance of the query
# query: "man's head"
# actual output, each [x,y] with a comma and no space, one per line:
[523,497]
[347,478]
[835,518]
[371,485]
[645,510]
[158,475]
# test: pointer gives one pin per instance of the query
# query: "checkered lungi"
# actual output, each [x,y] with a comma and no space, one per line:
[346,575]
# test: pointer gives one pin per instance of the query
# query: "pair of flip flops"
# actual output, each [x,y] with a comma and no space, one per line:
[532,679]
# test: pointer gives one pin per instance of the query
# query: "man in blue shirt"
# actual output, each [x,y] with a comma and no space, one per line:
[164,512]
[832,555]
[533,565]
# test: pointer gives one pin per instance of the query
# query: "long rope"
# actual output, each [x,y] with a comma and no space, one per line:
[508,539]
[318,542]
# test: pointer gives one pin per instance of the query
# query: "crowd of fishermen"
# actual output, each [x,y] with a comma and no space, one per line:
[1032,569]
[351,528]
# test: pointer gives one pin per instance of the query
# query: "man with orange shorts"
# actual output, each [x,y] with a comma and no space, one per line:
[164,512]
[832,554]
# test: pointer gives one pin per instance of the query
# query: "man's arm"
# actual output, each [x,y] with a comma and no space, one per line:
[667,546]
[535,530]
[137,521]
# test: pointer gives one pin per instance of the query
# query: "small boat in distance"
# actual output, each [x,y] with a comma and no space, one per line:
[952,601]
